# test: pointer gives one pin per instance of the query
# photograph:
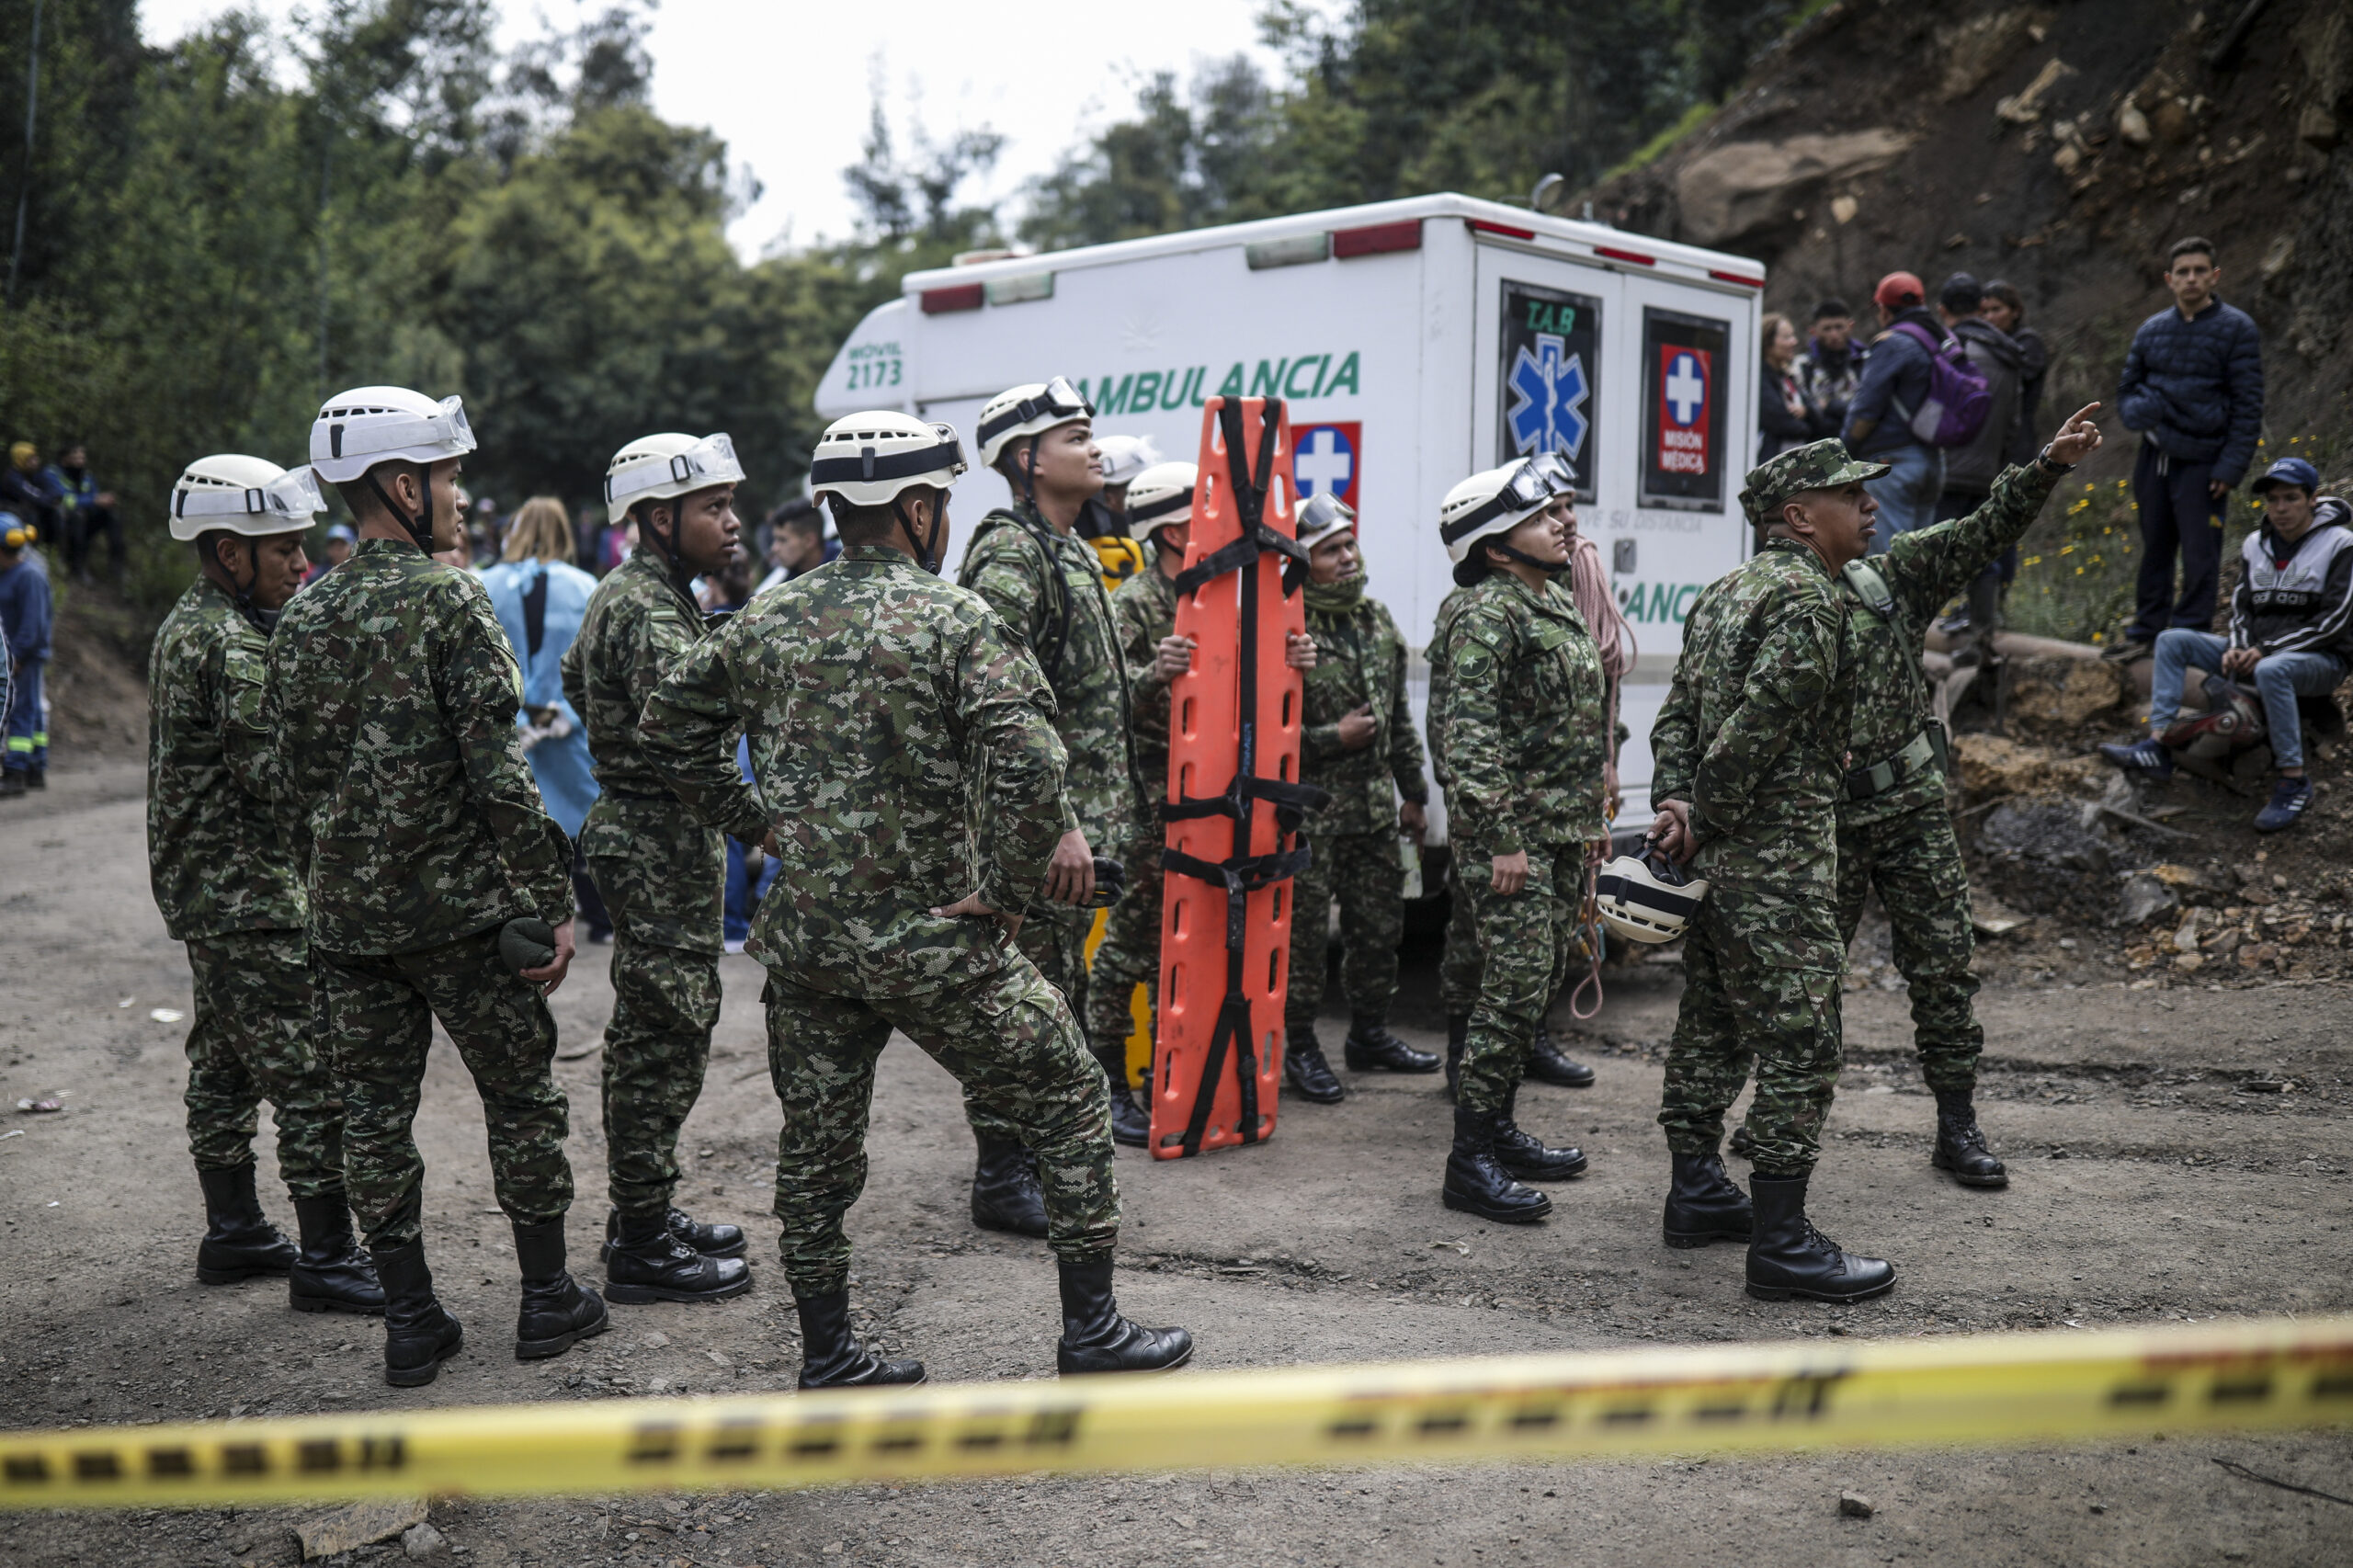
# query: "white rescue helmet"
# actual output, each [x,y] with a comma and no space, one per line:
[1125,458]
[1160,497]
[1647,898]
[869,459]
[1495,501]
[663,467]
[358,429]
[1320,517]
[234,494]
[1032,409]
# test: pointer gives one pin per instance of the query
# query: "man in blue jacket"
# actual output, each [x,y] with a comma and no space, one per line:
[1895,384]
[2193,387]
[24,628]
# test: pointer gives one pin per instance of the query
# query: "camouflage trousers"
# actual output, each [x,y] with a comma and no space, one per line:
[1915,862]
[1008,1038]
[1128,957]
[1053,938]
[1363,870]
[1524,943]
[657,1045]
[1737,1011]
[375,1016]
[251,1041]
[1458,968]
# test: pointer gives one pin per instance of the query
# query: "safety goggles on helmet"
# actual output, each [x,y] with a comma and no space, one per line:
[293,496]
[446,426]
[1057,401]
[1528,488]
[709,461]
[1322,515]
[1556,472]
[1647,898]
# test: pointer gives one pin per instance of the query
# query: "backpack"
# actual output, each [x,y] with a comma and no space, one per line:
[1958,396]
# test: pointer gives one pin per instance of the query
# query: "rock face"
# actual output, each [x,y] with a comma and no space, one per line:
[2067,692]
[1744,186]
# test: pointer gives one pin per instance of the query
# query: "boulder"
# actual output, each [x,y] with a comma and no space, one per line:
[1997,766]
[2144,898]
[1743,187]
[2066,691]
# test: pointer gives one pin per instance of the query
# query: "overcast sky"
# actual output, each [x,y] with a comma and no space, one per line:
[787,83]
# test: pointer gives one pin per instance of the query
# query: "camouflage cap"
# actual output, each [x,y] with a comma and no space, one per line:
[1817,465]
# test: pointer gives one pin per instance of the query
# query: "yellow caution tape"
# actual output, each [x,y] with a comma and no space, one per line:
[1981,1389]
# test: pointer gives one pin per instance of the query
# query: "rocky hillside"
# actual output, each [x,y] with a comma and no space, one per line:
[2060,147]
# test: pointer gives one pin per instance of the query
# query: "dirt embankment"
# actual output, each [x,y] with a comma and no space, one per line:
[2060,147]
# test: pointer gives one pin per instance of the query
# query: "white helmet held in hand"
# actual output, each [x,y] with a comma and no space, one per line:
[663,467]
[1125,458]
[238,494]
[1161,496]
[367,426]
[1032,409]
[1647,898]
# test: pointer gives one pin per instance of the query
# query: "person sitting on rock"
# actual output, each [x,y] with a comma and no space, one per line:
[2292,631]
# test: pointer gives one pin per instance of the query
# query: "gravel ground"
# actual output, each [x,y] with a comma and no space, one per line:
[2175,1155]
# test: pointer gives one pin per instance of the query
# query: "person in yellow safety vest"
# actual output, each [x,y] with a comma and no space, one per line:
[1105,523]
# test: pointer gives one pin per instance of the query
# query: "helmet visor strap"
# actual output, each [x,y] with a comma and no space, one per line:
[421,532]
[926,548]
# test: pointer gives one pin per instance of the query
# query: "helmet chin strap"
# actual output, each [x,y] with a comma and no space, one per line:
[242,594]
[1550,568]
[420,531]
[680,578]
[926,548]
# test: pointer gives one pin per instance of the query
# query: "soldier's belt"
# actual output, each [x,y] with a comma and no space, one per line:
[1926,753]
[1981,1389]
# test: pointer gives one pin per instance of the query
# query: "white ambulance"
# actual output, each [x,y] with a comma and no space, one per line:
[1415,341]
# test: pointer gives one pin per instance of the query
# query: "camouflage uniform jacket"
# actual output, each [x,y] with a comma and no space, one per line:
[1069,632]
[636,629]
[1754,734]
[1143,611]
[1519,725]
[222,854]
[1922,569]
[1361,660]
[390,705]
[874,696]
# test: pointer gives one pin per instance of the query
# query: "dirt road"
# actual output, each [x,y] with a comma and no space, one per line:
[2175,1155]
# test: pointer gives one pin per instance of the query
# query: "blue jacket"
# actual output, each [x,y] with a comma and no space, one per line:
[561,766]
[1895,371]
[2195,387]
[23,608]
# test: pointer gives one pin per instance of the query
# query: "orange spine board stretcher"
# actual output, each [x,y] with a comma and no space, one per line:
[1234,800]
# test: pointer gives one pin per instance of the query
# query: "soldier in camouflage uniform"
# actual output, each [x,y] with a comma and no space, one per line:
[391,703]
[1045,584]
[1749,753]
[1516,721]
[1143,616]
[1896,832]
[907,774]
[226,863]
[1359,746]
[662,874]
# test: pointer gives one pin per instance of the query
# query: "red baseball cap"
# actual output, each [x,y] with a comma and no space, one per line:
[1899,288]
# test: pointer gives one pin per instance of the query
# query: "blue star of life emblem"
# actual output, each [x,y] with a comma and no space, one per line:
[1547,398]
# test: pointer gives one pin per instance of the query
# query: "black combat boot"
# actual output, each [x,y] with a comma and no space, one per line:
[647,1261]
[1130,1125]
[1096,1338]
[332,1275]
[1525,1155]
[712,1241]
[1370,1046]
[1786,1256]
[1705,1205]
[1547,1065]
[1477,1184]
[1458,1035]
[1960,1147]
[1304,1068]
[36,777]
[12,783]
[558,1310]
[830,1356]
[418,1336]
[1005,1189]
[238,1242]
